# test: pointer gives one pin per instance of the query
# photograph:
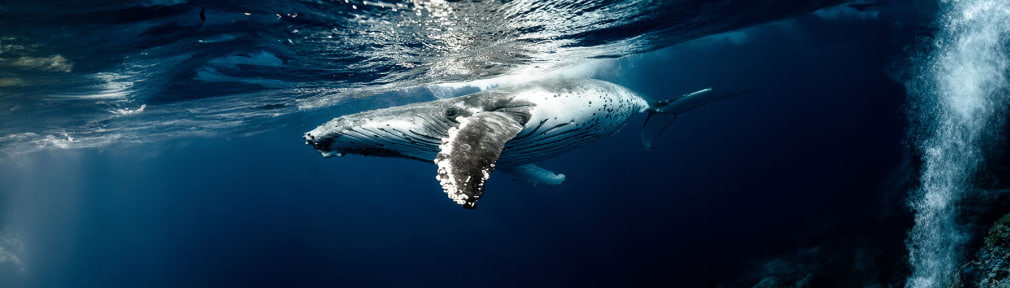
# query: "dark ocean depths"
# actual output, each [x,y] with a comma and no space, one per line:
[158,144]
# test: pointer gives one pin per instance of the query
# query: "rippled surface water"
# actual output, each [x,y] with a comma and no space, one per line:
[75,74]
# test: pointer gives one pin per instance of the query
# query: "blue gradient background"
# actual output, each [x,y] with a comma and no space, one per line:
[805,164]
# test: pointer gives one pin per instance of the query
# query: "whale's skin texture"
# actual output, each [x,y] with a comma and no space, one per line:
[468,136]
[563,114]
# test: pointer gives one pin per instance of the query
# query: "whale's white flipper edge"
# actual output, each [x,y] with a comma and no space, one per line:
[468,154]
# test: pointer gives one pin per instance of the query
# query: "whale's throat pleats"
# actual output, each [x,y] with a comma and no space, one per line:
[467,155]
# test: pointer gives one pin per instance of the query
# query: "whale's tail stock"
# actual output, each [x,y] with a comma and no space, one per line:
[663,112]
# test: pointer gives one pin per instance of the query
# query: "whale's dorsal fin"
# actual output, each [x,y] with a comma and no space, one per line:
[534,174]
[467,155]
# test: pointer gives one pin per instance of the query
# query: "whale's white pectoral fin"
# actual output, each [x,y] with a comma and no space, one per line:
[534,174]
[467,155]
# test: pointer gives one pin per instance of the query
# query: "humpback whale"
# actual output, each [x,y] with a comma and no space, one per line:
[508,128]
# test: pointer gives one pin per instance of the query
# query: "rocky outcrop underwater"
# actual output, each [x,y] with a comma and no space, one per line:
[990,266]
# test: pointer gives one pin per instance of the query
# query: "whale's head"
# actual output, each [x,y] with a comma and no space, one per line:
[413,130]
[410,131]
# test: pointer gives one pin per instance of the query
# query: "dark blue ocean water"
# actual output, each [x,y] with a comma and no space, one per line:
[805,178]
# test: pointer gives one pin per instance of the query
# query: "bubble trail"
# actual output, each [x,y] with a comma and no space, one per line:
[959,105]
